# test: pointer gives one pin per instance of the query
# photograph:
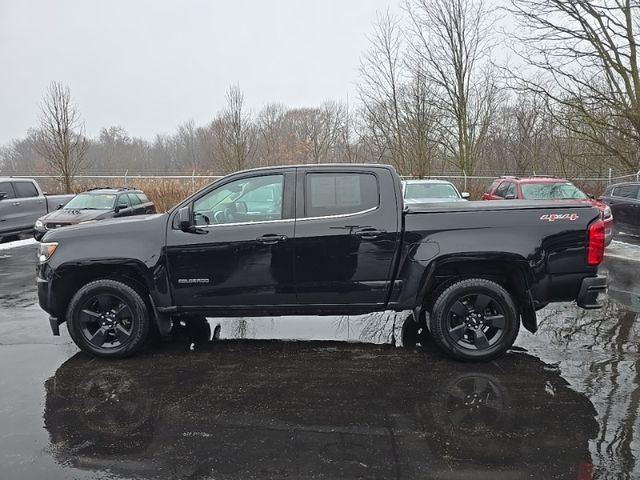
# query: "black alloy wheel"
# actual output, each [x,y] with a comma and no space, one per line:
[474,319]
[108,318]
[106,321]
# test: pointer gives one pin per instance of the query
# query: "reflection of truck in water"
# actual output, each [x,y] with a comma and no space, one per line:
[311,410]
[22,202]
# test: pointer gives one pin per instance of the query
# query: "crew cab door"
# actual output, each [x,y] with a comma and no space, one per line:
[347,224]
[239,257]
[30,204]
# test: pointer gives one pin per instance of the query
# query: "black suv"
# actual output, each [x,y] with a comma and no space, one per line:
[624,200]
[93,205]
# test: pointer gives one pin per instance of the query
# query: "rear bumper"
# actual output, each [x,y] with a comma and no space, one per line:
[590,289]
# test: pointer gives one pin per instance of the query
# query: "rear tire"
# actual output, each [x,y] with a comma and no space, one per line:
[108,318]
[474,320]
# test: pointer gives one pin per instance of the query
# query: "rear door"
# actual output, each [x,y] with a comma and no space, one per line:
[8,209]
[136,204]
[30,204]
[347,231]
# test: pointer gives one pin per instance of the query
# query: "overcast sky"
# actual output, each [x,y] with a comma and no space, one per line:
[150,65]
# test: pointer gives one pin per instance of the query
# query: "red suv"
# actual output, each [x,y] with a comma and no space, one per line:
[546,188]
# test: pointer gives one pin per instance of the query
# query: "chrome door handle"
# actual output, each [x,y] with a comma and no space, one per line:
[15,204]
[271,239]
[369,233]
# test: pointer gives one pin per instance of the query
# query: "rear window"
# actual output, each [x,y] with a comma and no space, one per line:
[25,189]
[551,191]
[429,190]
[626,191]
[339,193]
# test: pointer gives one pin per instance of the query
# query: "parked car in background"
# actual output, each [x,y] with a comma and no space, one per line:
[22,202]
[428,191]
[93,205]
[547,188]
[624,200]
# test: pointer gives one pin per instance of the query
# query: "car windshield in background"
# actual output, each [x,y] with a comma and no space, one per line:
[550,191]
[91,201]
[430,190]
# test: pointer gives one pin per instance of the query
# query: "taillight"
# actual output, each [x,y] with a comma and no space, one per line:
[595,248]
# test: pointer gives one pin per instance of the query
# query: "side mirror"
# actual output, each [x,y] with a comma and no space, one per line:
[184,219]
[122,206]
[465,195]
[511,196]
[60,205]
[3,195]
[591,196]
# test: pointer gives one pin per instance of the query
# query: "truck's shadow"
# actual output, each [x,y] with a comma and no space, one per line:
[266,409]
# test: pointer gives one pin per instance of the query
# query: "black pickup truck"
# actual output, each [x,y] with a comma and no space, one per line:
[324,240]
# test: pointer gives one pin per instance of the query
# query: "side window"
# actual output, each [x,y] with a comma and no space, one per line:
[493,186]
[142,197]
[254,199]
[627,191]
[133,199]
[340,193]
[124,200]
[25,189]
[5,187]
[501,191]
[511,190]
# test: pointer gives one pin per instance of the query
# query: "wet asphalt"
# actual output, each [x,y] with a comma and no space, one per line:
[327,397]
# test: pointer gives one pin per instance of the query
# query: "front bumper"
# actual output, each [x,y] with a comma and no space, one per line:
[590,289]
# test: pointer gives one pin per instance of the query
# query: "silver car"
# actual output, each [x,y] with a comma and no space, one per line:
[431,191]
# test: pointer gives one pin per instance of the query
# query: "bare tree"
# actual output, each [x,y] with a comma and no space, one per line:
[585,57]
[60,139]
[452,44]
[383,73]
[236,132]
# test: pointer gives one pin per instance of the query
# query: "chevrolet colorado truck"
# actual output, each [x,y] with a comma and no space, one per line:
[322,240]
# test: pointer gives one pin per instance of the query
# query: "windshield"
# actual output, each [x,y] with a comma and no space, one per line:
[551,191]
[90,201]
[430,190]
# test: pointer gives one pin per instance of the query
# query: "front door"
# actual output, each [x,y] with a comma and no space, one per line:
[346,237]
[240,258]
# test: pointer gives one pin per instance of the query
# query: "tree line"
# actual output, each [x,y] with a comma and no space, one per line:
[443,90]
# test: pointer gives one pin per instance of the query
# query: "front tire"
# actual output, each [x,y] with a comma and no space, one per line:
[474,320]
[108,318]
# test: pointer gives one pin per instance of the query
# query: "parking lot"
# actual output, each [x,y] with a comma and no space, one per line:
[340,402]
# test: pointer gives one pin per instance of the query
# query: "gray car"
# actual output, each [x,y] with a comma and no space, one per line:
[431,191]
[22,202]
[624,200]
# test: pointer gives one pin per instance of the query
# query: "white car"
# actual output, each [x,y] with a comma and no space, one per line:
[431,191]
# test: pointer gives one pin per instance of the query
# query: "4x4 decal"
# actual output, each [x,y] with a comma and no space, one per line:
[552,217]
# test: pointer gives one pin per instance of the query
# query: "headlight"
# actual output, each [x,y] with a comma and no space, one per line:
[39,224]
[45,250]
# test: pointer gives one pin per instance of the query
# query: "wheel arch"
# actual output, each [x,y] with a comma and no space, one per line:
[508,270]
[71,277]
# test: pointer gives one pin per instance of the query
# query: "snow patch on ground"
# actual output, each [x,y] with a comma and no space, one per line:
[17,243]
